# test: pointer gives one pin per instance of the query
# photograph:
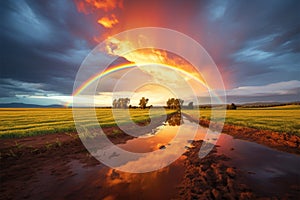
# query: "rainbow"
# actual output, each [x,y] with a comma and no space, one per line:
[99,75]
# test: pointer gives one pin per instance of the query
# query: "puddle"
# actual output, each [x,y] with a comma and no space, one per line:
[151,151]
[267,171]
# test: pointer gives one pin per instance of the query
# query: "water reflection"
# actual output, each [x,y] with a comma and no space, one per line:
[146,185]
[145,154]
[262,164]
[175,120]
[271,171]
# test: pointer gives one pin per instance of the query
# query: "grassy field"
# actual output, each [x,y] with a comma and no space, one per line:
[21,122]
[279,119]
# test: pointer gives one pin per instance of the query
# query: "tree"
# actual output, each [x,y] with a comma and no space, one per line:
[121,103]
[169,103]
[191,105]
[143,102]
[175,103]
[175,120]
[125,102]
[114,104]
[231,107]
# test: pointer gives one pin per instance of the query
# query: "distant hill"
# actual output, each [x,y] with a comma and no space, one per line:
[24,105]
[254,104]
[267,104]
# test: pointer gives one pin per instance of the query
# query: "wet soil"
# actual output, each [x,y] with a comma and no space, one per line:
[217,176]
[57,166]
[211,178]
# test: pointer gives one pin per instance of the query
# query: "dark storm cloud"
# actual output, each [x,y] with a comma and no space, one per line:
[12,88]
[259,40]
[43,42]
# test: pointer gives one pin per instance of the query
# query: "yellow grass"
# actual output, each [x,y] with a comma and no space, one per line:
[20,122]
[280,119]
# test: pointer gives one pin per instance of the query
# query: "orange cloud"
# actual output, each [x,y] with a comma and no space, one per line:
[108,22]
[106,5]
[90,6]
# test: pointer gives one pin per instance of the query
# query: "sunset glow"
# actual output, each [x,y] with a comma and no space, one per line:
[90,6]
[149,99]
[246,55]
[108,22]
[142,66]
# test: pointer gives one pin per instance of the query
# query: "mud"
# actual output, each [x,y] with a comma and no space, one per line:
[210,178]
[58,166]
[214,178]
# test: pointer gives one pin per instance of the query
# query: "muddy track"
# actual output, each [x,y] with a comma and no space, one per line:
[212,178]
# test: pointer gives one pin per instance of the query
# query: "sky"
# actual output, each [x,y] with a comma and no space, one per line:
[254,44]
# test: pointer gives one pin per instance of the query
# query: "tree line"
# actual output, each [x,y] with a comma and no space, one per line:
[172,103]
[124,103]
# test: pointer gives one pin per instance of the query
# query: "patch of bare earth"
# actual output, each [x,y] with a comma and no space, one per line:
[24,159]
[210,178]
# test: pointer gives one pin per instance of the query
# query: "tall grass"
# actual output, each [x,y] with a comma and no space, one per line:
[280,119]
[21,122]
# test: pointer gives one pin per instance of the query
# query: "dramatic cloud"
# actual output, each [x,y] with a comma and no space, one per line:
[90,6]
[108,22]
[97,7]
[256,44]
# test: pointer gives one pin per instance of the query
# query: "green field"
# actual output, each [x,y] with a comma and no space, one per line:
[21,122]
[280,119]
